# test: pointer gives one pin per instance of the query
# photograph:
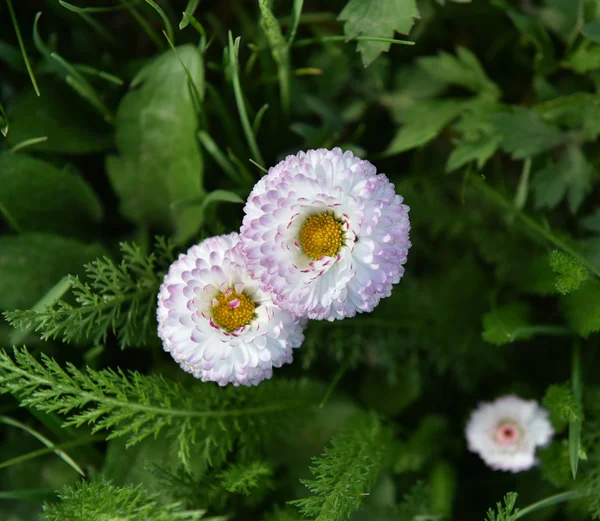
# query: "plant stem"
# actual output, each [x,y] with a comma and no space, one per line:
[549,501]
[13,16]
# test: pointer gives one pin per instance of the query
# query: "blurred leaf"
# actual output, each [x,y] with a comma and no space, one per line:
[42,198]
[463,70]
[71,127]
[30,264]
[379,19]
[582,308]
[524,134]
[560,16]
[571,177]
[244,478]
[561,404]
[506,324]
[592,31]
[571,273]
[592,221]
[579,111]
[159,161]
[423,122]
[586,58]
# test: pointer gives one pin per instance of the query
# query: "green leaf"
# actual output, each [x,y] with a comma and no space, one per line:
[592,31]
[592,221]
[205,202]
[561,404]
[506,324]
[30,264]
[571,177]
[561,16]
[346,471]
[506,512]
[379,19]
[423,122]
[71,127]
[579,111]
[524,134]
[243,478]
[41,198]
[576,421]
[582,308]
[463,70]
[160,160]
[571,273]
[480,150]
[586,58]
[101,500]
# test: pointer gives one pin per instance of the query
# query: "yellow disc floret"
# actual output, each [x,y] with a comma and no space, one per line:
[232,310]
[321,235]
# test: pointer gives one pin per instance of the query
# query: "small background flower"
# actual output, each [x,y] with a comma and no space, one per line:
[506,432]
[216,321]
[326,234]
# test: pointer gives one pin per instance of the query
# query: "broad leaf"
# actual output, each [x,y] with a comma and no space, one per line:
[524,134]
[506,324]
[570,177]
[40,197]
[30,264]
[159,161]
[582,308]
[59,114]
[379,19]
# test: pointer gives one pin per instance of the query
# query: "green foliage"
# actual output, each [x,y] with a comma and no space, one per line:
[346,471]
[116,298]
[524,134]
[506,324]
[506,512]
[71,128]
[559,400]
[31,263]
[416,504]
[26,185]
[582,308]
[381,19]
[160,161]
[571,273]
[243,478]
[135,406]
[570,177]
[101,500]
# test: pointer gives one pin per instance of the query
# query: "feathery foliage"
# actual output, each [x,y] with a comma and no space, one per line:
[506,512]
[101,500]
[347,470]
[115,298]
[138,406]
[242,478]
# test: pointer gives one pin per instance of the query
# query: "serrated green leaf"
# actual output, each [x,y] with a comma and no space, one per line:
[463,70]
[571,273]
[160,161]
[30,264]
[480,150]
[586,58]
[571,177]
[379,19]
[579,111]
[524,134]
[71,127]
[41,198]
[561,404]
[506,324]
[423,122]
[582,308]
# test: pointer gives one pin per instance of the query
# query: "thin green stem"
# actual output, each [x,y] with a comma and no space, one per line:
[334,38]
[9,218]
[549,501]
[575,425]
[22,45]
[164,17]
[28,143]
[334,383]
[533,226]
[188,13]
[144,25]
[239,99]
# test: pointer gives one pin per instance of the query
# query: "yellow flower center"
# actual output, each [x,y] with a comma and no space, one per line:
[232,310]
[321,235]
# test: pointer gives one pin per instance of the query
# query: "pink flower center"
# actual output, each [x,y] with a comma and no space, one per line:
[507,433]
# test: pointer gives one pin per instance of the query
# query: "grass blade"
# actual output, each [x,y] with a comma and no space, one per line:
[34,494]
[295,20]
[548,502]
[324,39]
[213,149]
[259,117]
[164,17]
[27,143]
[4,125]
[13,17]
[188,13]
[143,24]
[234,48]
[575,425]
[61,454]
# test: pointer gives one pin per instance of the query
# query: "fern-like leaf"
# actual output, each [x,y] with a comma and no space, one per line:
[101,500]
[136,406]
[506,512]
[346,471]
[117,298]
[242,478]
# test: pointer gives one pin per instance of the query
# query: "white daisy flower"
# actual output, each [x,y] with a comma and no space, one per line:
[217,322]
[506,432]
[326,234]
